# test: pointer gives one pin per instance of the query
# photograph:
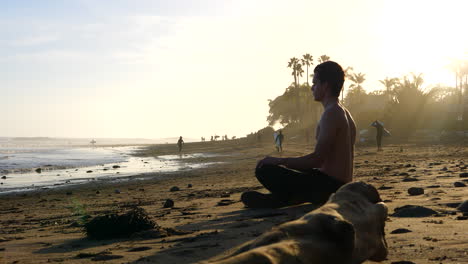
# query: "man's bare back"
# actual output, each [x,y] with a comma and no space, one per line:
[337,130]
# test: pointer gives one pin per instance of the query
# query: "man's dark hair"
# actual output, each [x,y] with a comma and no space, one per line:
[331,73]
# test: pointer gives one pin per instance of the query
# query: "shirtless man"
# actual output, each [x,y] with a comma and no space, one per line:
[313,177]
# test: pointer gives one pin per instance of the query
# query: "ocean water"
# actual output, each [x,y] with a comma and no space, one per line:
[63,166]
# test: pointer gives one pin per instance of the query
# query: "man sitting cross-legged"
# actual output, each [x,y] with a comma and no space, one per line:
[313,177]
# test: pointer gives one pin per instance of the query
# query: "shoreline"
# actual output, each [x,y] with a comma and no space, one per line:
[133,165]
[41,227]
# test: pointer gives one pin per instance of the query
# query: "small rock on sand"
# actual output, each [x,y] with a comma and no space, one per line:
[463,207]
[38,170]
[403,262]
[168,203]
[459,184]
[3,177]
[464,175]
[413,211]
[409,179]
[189,185]
[415,191]
[174,189]
[400,231]
[115,166]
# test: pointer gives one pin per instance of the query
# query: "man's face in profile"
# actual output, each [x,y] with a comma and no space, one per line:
[317,88]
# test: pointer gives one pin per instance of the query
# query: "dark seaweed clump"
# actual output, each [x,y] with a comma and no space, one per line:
[117,226]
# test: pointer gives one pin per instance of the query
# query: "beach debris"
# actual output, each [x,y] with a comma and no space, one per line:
[409,179]
[413,211]
[464,175]
[459,184]
[117,191]
[415,191]
[101,256]
[89,171]
[98,192]
[174,189]
[463,207]
[114,225]
[189,185]
[115,166]
[38,170]
[138,249]
[225,202]
[225,195]
[400,231]
[383,187]
[168,203]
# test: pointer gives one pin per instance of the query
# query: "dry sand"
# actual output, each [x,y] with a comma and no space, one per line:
[42,227]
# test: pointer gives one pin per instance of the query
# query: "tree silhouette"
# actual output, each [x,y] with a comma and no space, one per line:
[307,60]
[324,58]
[293,65]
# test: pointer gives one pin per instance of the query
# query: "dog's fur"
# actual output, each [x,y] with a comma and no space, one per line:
[349,228]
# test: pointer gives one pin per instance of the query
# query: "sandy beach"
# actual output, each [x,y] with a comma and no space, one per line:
[208,218]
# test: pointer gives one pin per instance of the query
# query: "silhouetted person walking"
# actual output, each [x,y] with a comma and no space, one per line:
[279,141]
[380,130]
[180,143]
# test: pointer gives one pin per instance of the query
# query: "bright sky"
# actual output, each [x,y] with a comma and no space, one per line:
[158,68]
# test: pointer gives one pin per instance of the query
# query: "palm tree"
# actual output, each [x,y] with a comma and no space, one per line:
[324,58]
[357,79]
[292,64]
[389,84]
[307,60]
[299,71]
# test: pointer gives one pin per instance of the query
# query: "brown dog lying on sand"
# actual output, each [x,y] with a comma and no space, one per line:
[349,228]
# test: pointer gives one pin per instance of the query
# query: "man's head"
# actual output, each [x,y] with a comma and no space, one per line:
[328,80]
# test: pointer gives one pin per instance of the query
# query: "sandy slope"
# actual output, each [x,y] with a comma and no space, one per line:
[41,227]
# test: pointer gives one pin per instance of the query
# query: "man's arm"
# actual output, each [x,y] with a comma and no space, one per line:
[325,141]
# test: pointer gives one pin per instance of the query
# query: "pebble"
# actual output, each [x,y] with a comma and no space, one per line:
[115,166]
[189,185]
[3,177]
[174,189]
[409,179]
[168,203]
[38,170]
[400,231]
[459,184]
[464,175]
[415,191]
[463,207]
[413,211]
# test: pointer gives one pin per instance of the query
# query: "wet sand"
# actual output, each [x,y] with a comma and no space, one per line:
[208,217]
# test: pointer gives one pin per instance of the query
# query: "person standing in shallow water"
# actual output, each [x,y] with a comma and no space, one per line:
[180,143]
[313,177]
